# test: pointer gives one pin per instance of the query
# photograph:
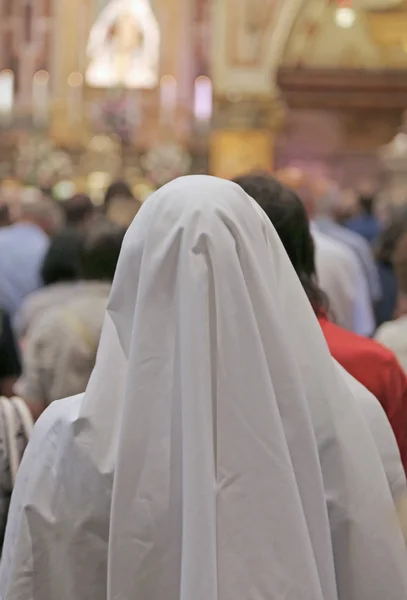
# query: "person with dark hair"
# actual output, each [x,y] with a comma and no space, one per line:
[60,273]
[386,246]
[60,348]
[10,365]
[122,210]
[370,363]
[117,189]
[366,222]
[120,204]
[79,210]
[5,217]
[393,333]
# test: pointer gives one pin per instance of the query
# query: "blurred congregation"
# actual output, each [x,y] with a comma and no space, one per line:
[58,262]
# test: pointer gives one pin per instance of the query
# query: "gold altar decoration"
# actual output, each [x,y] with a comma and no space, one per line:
[234,153]
[124,46]
[388,28]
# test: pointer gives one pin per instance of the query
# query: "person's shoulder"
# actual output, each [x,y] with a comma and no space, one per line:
[356,345]
[336,249]
[50,429]
[376,353]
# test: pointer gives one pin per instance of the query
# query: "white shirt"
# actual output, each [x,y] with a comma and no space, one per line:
[394,335]
[342,279]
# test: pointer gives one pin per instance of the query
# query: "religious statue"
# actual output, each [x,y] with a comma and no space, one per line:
[124,46]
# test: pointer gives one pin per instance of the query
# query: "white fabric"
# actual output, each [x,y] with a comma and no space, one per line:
[394,335]
[217,453]
[382,433]
[342,279]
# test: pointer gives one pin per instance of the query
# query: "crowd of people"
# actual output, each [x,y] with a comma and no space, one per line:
[233,362]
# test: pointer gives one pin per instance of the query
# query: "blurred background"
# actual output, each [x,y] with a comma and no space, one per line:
[145,90]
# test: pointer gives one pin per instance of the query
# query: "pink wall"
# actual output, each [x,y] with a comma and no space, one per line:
[330,143]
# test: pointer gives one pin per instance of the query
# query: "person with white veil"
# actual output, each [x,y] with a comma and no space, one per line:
[217,453]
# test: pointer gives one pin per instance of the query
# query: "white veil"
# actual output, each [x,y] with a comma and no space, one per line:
[216,454]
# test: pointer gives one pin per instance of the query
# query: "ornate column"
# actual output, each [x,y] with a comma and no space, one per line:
[73,20]
[247,110]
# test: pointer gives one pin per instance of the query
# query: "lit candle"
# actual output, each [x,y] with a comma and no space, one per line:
[6,96]
[40,98]
[203,100]
[168,98]
[75,97]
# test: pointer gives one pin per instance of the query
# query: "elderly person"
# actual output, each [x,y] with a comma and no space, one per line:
[60,273]
[60,349]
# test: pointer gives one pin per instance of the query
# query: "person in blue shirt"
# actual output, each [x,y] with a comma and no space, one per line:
[22,249]
[366,222]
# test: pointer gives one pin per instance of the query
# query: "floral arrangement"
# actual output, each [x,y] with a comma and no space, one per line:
[39,162]
[165,162]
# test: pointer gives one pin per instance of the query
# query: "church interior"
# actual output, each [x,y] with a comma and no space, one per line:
[91,90]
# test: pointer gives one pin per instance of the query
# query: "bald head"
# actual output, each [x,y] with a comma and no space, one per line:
[43,212]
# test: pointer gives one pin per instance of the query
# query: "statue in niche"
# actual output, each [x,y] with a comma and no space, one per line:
[124,46]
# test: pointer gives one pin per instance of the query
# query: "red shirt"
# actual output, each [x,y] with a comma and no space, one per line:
[378,370]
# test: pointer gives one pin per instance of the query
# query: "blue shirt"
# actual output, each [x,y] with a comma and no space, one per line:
[22,250]
[367,226]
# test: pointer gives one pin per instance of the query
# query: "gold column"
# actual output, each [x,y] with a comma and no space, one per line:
[73,22]
[244,138]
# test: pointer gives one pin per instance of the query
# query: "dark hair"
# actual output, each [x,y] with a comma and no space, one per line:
[289,217]
[117,188]
[63,259]
[78,209]
[4,215]
[101,249]
[367,203]
[389,238]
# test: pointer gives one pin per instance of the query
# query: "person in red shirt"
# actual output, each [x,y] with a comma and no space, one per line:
[369,362]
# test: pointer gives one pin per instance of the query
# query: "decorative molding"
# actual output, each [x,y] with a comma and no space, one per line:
[343,88]
[250,112]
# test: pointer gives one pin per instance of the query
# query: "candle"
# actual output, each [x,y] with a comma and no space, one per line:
[203,100]
[75,97]
[168,98]
[40,98]
[6,96]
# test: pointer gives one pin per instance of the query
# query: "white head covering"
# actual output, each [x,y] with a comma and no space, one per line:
[382,434]
[216,454]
